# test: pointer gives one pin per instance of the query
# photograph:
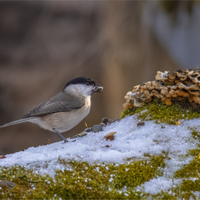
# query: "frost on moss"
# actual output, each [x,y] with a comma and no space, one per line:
[190,173]
[191,176]
[162,113]
[84,180]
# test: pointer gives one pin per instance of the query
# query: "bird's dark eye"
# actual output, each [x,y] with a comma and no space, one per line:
[90,83]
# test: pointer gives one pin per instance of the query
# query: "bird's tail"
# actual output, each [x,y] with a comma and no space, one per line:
[19,121]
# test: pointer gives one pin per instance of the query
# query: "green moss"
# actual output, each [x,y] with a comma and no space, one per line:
[190,185]
[190,170]
[195,133]
[82,180]
[162,113]
[194,152]
[193,168]
[128,112]
[25,180]
[139,172]
[190,173]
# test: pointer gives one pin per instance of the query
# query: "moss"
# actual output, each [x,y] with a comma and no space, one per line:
[128,112]
[190,170]
[195,133]
[190,185]
[190,173]
[193,168]
[83,180]
[26,181]
[164,195]
[162,113]
[139,172]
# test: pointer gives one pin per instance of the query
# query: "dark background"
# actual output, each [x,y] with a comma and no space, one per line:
[44,44]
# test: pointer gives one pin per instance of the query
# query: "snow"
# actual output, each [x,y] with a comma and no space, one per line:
[154,186]
[131,141]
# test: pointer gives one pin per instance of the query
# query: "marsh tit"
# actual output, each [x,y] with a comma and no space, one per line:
[65,110]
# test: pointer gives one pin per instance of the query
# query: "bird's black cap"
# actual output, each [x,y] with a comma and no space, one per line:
[81,80]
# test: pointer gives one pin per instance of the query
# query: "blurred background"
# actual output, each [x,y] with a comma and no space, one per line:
[119,44]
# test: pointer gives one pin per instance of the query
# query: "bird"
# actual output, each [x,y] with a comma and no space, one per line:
[65,110]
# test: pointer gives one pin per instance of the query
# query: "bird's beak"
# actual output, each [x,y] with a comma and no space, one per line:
[97,88]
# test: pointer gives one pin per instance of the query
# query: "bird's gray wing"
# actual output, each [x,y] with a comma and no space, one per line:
[62,102]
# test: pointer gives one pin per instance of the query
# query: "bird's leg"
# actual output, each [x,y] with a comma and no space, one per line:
[62,138]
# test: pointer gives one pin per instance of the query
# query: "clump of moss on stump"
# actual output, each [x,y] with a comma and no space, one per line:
[162,113]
